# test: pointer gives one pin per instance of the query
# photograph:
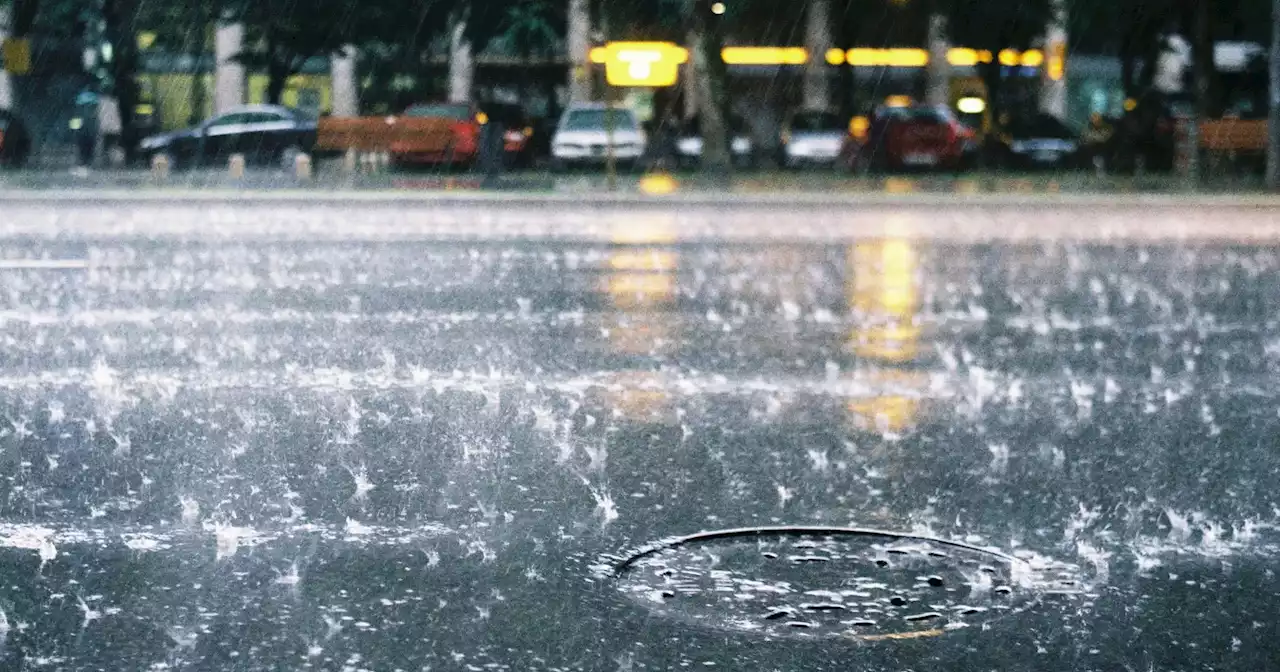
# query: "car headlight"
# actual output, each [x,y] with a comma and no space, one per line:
[153,142]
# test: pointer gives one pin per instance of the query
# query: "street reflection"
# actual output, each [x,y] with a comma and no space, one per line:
[884,297]
[640,285]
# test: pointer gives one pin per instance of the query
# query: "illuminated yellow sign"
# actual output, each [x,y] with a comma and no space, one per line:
[651,64]
[765,55]
[632,58]
[899,58]
[17,56]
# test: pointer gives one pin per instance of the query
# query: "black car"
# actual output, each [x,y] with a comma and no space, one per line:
[741,145]
[264,134]
[15,141]
[1037,141]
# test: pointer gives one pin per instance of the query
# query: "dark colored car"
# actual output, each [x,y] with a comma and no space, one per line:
[1036,141]
[517,131]
[264,134]
[741,145]
[15,141]
[915,136]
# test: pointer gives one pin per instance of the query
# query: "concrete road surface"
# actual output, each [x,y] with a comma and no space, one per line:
[369,433]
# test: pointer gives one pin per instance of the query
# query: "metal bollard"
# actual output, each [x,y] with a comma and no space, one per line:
[235,166]
[350,161]
[160,166]
[302,166]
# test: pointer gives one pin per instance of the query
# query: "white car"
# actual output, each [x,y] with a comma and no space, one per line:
[811,137]
[584,137]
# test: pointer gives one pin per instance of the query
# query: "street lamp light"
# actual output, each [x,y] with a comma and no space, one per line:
[717,8]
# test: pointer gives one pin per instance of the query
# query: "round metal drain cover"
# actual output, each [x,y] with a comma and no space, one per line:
[822,581]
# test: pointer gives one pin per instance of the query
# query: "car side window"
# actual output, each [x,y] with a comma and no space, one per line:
[229,119]
[264,117]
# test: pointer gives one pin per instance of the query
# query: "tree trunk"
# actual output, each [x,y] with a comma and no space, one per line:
[277,76]
[1273,145]
[817,93]
[579,44]
[1053,91]
[120,19]
[706,43]
[938,74]
[6,82]
[1202,57]
[461,67]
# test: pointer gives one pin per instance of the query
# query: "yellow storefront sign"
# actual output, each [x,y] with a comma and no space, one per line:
[649,64]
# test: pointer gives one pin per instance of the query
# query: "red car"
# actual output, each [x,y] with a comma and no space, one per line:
[458,143]
[915,136]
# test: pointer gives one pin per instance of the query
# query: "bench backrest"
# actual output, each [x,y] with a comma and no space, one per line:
[387,134]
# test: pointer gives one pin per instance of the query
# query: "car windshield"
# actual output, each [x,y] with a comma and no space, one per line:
[816,122]
[595,120]
[440,111]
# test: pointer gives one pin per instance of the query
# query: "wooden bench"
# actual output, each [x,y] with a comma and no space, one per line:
[397,135]
[1234,135]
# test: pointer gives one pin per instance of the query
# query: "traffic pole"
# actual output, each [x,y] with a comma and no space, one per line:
[1273,121]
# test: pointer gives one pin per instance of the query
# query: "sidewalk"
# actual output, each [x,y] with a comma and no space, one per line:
[762,188]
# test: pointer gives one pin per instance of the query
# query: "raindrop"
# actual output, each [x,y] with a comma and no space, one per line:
[1003,590]
[936,581]
[823,607]
[862,624]
[897,600]
[928,615]
[882,563]
[801,624]
[770,555]
[776,614]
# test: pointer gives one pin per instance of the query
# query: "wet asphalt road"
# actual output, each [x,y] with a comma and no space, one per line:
[402,437]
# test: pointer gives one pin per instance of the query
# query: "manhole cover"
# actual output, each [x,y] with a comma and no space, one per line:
[822,581]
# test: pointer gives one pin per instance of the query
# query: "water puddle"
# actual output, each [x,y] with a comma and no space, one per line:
[868,585]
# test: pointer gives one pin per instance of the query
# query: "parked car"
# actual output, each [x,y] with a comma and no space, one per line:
[517,132]
[464,122]
[264,134]
[741,145]
[586,133]
[912,136]
[811,137]
[15,141]
[1036,141]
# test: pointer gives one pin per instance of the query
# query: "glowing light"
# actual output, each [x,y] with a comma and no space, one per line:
[971,105]
[482,118]
[647,64]
[146,38]
[896,58]
[858,126]
[658,184]
[835,56]
[1008,57]
[1032,58]
[898,101]
[765,55]
[1057,61]
[1130,104]
[717,8]
[962,56]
